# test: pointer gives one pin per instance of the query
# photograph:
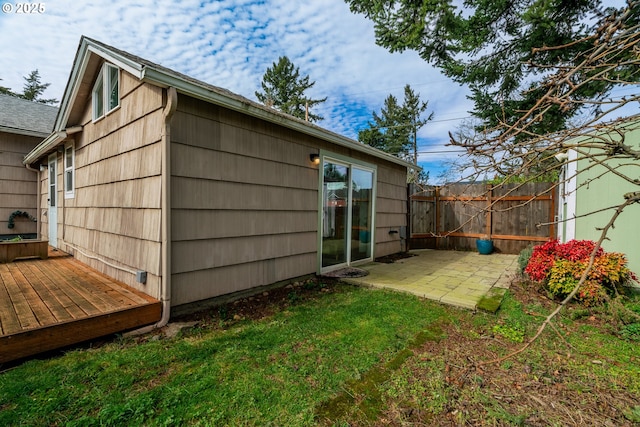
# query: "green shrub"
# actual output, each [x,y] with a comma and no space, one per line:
[523,258]
[563,277]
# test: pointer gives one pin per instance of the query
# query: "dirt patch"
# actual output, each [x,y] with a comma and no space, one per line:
[263,304]
[541,387]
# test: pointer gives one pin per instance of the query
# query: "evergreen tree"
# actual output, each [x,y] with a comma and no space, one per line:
[494,48]
[413,109]
[33,88]
[284,89]
[388,131]
[6,91]
[395,129]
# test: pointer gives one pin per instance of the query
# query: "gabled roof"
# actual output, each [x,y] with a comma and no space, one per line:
[91,52]
[24,117]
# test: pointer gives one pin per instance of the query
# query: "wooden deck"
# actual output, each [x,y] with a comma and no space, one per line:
[50,304]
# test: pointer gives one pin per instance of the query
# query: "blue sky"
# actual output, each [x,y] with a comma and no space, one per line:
[230,43]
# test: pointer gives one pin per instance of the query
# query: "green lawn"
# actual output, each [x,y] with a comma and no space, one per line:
[350,356]
[274,370]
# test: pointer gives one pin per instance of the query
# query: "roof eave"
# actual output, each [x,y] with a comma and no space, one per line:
[163,79]
[25,132]
[48,144]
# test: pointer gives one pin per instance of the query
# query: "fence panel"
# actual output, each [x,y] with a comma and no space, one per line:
[454,216]
[422,210]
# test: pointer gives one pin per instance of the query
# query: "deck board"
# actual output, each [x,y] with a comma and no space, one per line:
[50,299]
[107,290]
[71,293]
[26,318]
[73,287]
[67,304]
[35,303]
[52,303]
[9,320]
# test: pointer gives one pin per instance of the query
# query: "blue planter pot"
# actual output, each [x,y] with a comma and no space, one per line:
[485,247]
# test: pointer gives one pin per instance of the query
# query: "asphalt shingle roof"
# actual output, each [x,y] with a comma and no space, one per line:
[26,117]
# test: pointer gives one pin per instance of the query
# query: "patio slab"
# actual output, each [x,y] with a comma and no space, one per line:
[457,278]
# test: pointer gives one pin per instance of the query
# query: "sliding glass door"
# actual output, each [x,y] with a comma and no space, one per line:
[361,213]
[346,214]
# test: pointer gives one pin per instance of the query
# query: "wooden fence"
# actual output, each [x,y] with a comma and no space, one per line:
[454,216]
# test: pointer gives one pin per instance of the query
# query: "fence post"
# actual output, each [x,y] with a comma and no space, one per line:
[489,216]
[409,210]
[436,199]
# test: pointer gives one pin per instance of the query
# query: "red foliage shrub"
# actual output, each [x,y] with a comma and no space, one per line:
[545,255]
[577,250]
[541,261]
[560,266]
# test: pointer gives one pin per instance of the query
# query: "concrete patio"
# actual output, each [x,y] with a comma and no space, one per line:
[457,278]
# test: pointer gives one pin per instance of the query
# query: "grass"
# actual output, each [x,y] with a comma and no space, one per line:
[273,371]
[351,356]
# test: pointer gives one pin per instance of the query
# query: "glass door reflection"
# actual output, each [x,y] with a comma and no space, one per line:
[335,213]
[361,213]
[347,213]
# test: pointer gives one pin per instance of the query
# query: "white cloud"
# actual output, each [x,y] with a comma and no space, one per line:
[230,43]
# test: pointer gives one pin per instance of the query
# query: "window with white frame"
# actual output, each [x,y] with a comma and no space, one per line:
[106,91]
[69,172]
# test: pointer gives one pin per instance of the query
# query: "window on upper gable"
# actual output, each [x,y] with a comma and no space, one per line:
[113,86]
[106,91]
[98,99]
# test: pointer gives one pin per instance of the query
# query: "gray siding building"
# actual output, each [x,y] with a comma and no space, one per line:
[205,191]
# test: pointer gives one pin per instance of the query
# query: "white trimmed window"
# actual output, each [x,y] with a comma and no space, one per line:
[106,91]
[69,172]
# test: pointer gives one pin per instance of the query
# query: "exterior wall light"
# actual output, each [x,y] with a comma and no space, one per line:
[315,158]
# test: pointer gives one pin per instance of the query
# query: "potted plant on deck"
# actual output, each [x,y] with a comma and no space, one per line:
[484,244]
